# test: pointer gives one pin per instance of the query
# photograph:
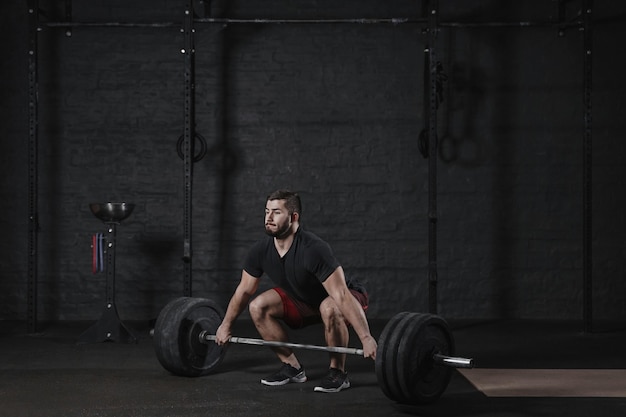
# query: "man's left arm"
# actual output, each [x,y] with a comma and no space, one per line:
[336,287]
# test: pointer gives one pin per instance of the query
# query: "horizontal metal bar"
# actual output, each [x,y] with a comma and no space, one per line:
[523,24]
[454,362]
[358,20]
[111,24]
[392,21]
[204,336]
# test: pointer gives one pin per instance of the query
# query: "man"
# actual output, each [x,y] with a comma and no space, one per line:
[310,287]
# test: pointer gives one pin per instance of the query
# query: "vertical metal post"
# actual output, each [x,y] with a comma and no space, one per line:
[433,10]
[110,269]
[188,142]
[33,221]
[587,169]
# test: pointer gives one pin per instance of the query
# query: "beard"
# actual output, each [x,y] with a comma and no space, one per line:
[281,231]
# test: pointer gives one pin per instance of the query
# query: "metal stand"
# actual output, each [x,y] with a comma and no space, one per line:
[109,328]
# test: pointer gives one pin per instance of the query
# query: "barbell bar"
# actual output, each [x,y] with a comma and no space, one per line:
[454,362]
[414,360]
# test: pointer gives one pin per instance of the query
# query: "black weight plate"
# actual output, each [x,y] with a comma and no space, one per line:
[406,359]
[176,336]
[401,364]
[423,381]
[393,371]
[165,343]
[384,369]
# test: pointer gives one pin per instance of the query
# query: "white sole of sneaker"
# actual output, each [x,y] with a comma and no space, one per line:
[274,383]
[296,379]
[345,385]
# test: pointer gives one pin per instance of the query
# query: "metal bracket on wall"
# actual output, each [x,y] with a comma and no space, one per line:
[33,221]
[189,135]
[68,17]
[563,23]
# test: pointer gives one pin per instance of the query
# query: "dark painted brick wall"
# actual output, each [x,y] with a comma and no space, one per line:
[333,111]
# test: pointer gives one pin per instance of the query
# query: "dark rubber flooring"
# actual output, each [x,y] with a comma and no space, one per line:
[48,374]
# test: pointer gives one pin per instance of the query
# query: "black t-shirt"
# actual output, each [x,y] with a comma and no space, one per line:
[307,264]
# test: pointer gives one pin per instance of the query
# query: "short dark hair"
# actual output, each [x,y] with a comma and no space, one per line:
[292,200]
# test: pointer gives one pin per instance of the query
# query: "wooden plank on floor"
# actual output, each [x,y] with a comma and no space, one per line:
[608,383]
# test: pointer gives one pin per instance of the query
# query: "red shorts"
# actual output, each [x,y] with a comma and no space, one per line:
[297,314]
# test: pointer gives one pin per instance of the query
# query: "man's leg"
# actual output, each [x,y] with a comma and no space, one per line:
[266,310]
[335,331]
[337,334]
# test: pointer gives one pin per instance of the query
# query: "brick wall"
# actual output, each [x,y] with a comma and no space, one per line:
[333,111]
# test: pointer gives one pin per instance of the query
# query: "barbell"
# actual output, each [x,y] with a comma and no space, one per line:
[437,357]
[414,360]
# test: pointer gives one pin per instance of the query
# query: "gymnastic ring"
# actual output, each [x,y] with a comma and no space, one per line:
[199,155]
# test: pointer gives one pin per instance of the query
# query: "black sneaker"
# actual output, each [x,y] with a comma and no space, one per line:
[335,381]
[285,375]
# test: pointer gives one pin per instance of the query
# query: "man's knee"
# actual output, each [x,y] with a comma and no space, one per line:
[256,308]
[267,303]
[330,311]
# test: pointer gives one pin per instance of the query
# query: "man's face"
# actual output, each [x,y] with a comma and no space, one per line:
[277,219]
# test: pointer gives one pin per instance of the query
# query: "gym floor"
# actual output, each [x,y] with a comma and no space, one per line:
[48,374]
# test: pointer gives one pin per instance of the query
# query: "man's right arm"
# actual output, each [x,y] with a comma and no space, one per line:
[245,290]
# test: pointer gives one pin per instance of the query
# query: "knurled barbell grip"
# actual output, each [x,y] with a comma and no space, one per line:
[205,336]
[455,362]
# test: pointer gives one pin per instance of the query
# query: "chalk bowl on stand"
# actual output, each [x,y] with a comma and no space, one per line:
[111,212]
